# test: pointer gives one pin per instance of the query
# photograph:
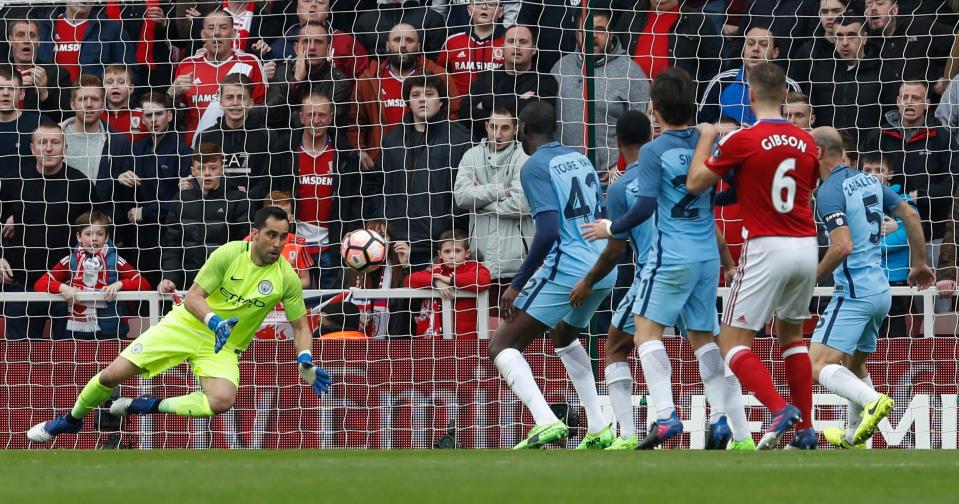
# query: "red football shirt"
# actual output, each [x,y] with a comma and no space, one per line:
[775,170]
[652,47]
[67,40]
[314,196]
[206,86]
[391,97]
[465,56]
[127,122]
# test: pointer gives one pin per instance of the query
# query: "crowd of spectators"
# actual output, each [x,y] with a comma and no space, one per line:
[161,125]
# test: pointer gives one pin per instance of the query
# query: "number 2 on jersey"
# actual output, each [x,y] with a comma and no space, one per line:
[576,205]
[783,183]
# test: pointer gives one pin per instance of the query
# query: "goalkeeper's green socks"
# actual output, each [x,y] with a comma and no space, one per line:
[191,405]
[90,397]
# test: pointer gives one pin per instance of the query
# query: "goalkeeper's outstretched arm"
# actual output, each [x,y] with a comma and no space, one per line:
[314,376]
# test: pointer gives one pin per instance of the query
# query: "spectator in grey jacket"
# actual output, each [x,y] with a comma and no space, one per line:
[488,187]
[620,85]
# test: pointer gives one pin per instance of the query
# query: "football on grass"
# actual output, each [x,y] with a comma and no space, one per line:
[364,250]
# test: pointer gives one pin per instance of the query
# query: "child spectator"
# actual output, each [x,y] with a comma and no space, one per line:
[452,270]
[120,114]
[467,54]
[92,266]
[380,318]
[895,249]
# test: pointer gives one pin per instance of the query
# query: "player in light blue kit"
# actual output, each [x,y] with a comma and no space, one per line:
[851,205]
[681,275]
[563,191]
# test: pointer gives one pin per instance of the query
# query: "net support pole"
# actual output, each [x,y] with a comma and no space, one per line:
[589,119]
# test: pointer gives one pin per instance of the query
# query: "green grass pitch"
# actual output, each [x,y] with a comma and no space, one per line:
[458,476]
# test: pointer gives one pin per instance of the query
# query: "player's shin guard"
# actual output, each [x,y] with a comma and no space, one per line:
[754,375]
[658,373]
[515,370]
[799,377]
[92,395]
[619,381]
[580,371]
[724,392]
[194,405]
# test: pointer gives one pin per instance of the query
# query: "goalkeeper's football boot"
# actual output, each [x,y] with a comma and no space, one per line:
[806,439]
[597,440]
[662,431]
[782,421]
[45,431]
[142,405]
[837,437]
[543,434]
[622,443]
[872,414]
[719,434]
[747,444]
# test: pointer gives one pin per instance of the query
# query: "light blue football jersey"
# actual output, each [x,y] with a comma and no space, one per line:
[858,200]
[559,178]
[683,230]
[620,197]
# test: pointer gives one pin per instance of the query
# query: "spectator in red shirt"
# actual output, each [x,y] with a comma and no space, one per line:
[453,270]
[83,40]
[93,265]
[465,55]
[196,83]
[348,55]
[120,114]
[45,85]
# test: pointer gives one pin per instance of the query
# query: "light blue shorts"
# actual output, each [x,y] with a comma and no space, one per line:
[851,325]
[547,301]
[686,293]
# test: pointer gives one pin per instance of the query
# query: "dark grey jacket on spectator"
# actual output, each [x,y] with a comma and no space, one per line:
[917,50]
[412,183]
[848,98]
[694,44]
[283,98]
[923,162]
[373,27]
[43,211]
[814,51]
[196,225]
[255,159]
[494,87]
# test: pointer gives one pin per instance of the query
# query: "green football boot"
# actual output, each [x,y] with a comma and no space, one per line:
[597,440]
[621,443]
[872,414]
[541,435]
[837,437]
[747,444]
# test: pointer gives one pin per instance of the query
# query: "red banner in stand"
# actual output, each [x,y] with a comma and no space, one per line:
[386,393]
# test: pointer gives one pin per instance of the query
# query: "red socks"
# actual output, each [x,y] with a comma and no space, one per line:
[799,377]
[754,375]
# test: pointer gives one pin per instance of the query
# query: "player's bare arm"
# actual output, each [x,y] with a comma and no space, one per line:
[604,264]
[920,274]
[700,178]
[725,257]
[840,246]
[196,304]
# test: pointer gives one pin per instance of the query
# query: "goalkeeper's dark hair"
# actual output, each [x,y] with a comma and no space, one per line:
[633,128]
[261,215]
[539,118]
[11,74]
[673,94]
[94,218]
[768,82]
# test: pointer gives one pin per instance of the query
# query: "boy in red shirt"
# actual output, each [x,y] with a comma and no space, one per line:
[452,270]
[92,266]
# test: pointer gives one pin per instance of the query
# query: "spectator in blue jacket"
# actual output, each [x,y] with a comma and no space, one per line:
[80,38]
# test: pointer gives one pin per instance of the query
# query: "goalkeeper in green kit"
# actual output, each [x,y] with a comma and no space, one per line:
[240,283]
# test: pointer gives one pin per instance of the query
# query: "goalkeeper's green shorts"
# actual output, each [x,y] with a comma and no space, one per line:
[169,343]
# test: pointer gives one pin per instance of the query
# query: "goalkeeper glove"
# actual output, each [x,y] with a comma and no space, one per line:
[318,378]
[221,330]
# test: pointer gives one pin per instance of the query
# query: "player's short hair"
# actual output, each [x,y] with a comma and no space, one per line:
[87,81]
[157,98]
[118,68]
[207,152]
[874,157]
[829,140]
[260,216]
[238,79]
[94,218]
[425,80]
[11,74]
[673,94]
[633,128]
[454,235]
[768,82]
[539,118]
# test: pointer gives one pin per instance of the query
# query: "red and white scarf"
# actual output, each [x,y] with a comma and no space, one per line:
[90,275]
[242,24]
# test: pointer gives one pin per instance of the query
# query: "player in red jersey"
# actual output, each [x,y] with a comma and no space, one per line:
[467,54]
[773,166]
[196,83]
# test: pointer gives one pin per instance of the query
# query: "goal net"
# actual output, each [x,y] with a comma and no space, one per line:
[137,136]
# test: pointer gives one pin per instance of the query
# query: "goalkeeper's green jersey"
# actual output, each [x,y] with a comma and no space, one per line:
[236,287]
